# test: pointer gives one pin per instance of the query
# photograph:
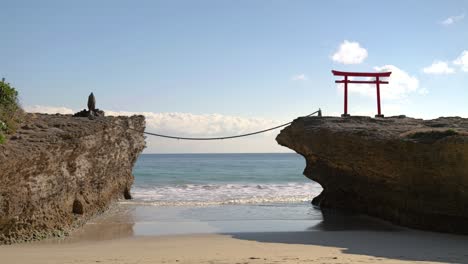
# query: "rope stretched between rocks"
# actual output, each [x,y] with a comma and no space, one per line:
[319,112]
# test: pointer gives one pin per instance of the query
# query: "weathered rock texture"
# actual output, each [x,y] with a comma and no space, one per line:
[412,172]
[89,113]
[58,170]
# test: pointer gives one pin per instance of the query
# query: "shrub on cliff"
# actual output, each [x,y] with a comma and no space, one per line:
[10,111]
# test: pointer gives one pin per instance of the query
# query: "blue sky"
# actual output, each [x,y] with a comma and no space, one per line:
[231,66]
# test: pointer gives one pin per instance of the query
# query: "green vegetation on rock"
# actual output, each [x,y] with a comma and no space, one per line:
[10,111]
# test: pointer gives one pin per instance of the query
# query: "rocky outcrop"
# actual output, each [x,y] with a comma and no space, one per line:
[412,172]
[89,113]
[56,171]
[92,111]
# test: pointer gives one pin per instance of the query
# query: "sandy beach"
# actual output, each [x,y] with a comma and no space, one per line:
[129,234]
[312,247]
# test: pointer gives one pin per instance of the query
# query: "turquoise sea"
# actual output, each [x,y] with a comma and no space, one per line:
[221,179]
[220,193]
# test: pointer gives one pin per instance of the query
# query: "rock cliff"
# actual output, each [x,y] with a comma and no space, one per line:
[56,171]
[412,172]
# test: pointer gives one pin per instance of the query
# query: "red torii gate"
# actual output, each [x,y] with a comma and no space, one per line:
[377,81]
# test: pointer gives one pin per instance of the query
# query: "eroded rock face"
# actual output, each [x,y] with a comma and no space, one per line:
[409,171]
[58,170]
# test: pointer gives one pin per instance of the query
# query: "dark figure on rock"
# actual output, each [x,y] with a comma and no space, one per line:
[92,110]
[91,103]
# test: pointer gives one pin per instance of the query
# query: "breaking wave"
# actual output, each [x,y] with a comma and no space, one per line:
[223,194]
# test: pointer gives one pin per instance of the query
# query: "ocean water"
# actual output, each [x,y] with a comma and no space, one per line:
[221,179]
[219,193]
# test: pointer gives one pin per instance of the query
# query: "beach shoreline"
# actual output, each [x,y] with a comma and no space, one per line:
[118,237]
[294,247]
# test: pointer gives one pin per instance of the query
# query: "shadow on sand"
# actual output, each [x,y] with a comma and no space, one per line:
[367,236]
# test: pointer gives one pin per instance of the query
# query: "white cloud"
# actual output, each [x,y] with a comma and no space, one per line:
[453,19]
[299,77]
[48,109]
[423,91]
[438,67]
[350,53]
[199,125]
[401,84]
[462,61]
[389,109]
[207,125]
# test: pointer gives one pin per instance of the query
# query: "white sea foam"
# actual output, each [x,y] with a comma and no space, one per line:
[223,194]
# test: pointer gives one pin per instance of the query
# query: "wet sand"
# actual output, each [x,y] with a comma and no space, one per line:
[131,236]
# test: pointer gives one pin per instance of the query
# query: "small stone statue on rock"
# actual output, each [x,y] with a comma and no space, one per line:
[92,111]
[91,103]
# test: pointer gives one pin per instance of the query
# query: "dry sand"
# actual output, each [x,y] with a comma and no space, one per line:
[116,237]
[290,247]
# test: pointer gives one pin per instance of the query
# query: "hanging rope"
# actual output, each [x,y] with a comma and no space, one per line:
[319,112]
